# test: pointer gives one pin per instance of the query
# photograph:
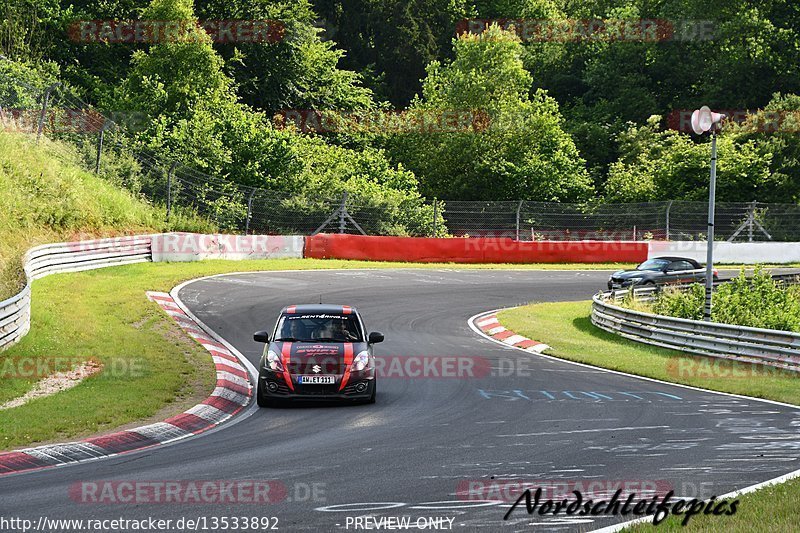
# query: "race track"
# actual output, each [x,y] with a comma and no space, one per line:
[429,437]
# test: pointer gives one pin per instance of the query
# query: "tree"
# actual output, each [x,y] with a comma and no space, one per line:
[297,71]
[661,164]
[391,41]
[175,79]
[197,120]
[522,152]
[775,131]
[728,54]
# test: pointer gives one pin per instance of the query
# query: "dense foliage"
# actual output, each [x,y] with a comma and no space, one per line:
[564,117]
[519,150]
[758,302]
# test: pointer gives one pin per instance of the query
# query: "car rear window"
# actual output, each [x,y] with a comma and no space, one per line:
[319,327]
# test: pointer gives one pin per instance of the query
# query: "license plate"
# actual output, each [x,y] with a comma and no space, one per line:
[316,380]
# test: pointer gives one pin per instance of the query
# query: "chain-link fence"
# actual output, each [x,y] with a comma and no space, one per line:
[37,107]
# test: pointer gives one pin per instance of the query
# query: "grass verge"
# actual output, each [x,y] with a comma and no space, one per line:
[567,329]
[45,196]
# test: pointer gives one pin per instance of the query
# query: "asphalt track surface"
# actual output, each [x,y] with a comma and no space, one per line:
[530,419]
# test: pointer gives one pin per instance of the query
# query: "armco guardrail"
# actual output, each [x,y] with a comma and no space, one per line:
[15,313]
[752,345]
[15,317]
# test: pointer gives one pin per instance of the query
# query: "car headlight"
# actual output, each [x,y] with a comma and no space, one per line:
[361,361]
[274,361]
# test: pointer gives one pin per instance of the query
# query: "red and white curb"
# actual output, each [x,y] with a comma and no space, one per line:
[490,326]
[233,392]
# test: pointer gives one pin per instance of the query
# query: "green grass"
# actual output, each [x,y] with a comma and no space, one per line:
[45,196]
[768,510]
[567,329]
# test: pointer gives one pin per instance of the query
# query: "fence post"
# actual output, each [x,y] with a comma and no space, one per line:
[106,124]
[519,209]
[669,208]
[169,188]
[750,220]
[435,209]
[45,102]
[249,211]
[342,213]
[99,150]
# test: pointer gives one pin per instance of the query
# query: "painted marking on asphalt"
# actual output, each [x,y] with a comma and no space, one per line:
[571,431]
[565,395]
[361,507]
[456,504]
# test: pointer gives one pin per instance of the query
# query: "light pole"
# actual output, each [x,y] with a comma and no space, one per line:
[704,120]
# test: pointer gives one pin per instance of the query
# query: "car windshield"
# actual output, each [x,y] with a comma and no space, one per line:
[653,264]
[318,327]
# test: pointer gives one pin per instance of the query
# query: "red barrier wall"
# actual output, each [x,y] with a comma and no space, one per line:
[480,250]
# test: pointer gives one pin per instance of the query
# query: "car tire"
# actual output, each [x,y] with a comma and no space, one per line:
[372,396]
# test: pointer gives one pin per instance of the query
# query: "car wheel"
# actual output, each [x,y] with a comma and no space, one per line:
[374,393]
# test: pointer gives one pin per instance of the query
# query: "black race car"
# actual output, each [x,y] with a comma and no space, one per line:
[660,271]
[317,352]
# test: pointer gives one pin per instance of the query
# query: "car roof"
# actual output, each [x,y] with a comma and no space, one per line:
[675,258]
[328,309]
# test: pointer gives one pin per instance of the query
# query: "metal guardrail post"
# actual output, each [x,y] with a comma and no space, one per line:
[45,102]
[519,209]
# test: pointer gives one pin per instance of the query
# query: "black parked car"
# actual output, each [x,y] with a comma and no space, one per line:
[660,271]
[317,352]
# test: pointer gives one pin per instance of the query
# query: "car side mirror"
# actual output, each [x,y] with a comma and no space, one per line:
[375,337]
[261,336]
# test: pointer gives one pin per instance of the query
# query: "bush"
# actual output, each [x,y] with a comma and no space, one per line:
[757,302]
[688,304]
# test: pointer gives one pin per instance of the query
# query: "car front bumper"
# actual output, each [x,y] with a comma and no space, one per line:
[358,388]
[624,284]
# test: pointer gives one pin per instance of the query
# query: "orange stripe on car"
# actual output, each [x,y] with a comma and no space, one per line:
[286,356]
[348,360]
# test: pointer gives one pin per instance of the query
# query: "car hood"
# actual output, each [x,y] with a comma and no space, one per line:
[317,358]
